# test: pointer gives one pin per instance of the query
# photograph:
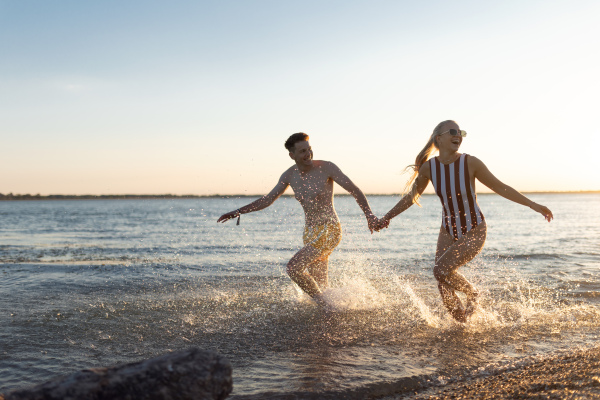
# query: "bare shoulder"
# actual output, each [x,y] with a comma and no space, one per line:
[326,166]
[425,170]
[287,175]
[474,163]
[472,158]
[323,163]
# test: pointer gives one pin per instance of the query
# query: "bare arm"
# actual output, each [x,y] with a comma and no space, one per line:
[406,201]
[341,179]
[483,175]
[261,203]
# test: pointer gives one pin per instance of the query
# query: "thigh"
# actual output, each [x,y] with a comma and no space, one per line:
[445,240]
[319,271]
[305,256]
[461,251]
[319,264]
[323,238]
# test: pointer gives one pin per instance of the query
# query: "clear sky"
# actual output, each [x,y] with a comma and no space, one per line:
[197,97]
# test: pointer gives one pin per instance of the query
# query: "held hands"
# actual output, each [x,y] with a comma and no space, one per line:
[376,224]
[383,223]
[373,222]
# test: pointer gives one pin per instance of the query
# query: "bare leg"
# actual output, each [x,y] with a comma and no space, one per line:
[319,271]
[452,302]
[298,269]
[450,255]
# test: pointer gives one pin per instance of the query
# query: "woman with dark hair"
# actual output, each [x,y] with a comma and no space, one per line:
[463,231]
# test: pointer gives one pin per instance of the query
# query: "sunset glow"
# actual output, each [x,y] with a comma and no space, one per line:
[198,97]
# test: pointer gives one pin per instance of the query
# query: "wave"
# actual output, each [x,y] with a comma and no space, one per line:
[525,371]
[532,256]
[402,385]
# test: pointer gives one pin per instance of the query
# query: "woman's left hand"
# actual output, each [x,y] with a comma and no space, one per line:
[545,211]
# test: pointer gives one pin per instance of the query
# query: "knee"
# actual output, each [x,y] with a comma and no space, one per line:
[293,269]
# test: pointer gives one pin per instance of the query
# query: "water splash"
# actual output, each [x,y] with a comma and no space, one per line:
[355,293]
[419,304]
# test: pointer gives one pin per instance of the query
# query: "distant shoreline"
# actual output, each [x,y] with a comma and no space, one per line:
[29,197]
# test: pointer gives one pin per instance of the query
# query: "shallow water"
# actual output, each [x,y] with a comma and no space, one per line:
[97,283]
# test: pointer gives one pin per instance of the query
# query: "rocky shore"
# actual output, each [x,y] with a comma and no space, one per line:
[566,376]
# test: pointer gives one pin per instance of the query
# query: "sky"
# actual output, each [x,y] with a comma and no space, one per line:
[198,97]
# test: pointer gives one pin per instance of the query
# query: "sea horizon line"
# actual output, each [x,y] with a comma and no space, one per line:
[13,197]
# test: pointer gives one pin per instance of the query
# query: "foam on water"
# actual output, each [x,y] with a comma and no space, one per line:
[355,294]
[419,304]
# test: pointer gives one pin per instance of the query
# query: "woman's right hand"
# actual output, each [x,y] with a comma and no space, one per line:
[382,223]
[228,216]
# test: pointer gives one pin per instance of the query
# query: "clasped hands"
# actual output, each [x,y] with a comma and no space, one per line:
[377,224]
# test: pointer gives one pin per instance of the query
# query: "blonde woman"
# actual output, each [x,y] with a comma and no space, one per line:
[463,231]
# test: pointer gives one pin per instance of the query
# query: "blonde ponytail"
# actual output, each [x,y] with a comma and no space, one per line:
[431,147]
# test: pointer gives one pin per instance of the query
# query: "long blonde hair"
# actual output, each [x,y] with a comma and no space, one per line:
[424,155]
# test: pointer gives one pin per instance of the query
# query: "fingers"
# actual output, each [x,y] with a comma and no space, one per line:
[379,224]
[384,223]
[545,211]
[373,226]
[372,222]
[225,217]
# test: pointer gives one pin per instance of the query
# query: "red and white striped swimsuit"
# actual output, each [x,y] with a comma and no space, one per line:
[452,184]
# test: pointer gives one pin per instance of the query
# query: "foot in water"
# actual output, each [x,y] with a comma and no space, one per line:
[459,314]
[472,305]
[323,303]
[320,300]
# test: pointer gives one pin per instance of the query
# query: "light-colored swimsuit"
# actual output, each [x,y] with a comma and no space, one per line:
[323,237]
[461,213]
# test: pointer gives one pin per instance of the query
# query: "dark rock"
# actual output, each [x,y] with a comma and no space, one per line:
[190,374]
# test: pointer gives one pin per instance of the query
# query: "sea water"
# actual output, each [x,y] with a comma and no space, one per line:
[93,283]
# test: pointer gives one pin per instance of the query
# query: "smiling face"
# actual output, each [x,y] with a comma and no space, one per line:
[446,141]
[302,154]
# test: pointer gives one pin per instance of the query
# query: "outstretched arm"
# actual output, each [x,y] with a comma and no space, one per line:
[406,201]
[483,174]
[261,203]
[341,179]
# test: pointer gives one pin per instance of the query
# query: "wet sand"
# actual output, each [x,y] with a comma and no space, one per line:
[567,376]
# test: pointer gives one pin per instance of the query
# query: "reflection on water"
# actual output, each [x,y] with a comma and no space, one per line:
[122,281]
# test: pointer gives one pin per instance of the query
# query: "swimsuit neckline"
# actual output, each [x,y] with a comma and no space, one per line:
[438,158]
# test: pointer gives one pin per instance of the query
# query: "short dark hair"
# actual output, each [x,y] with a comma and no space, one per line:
[295,138]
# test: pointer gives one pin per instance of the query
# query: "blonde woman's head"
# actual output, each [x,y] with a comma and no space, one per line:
[440,129]
[431,147]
